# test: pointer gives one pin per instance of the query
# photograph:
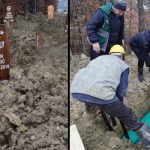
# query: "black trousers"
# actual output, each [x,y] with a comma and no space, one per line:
[122,112]
[137,52]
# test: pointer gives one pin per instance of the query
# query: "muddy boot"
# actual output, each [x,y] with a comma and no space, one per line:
[140,75]
[144,134]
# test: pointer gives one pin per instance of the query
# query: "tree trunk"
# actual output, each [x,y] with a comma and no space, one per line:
[35,6]
[141,15]
[103,2]
[26,8]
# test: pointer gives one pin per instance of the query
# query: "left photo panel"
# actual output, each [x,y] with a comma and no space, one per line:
[34,75]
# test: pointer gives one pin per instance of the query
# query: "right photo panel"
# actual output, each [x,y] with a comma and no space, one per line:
[109,74]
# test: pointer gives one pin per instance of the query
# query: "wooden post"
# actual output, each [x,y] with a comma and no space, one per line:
[4,54]
[50,9]
[35,6]
[38,41]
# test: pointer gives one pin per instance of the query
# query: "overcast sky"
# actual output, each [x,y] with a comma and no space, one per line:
[62,5]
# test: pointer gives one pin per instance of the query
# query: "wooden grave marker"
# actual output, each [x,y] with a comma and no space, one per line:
[8,13]
[4,54]
[39,41]
[50,9]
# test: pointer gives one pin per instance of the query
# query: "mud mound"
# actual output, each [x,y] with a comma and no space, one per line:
[34,101]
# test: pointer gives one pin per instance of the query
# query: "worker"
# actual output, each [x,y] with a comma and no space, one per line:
[140,45]
[106,28]
[103,83]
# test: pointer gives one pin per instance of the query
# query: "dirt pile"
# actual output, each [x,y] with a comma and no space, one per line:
[92,129]
[34,101]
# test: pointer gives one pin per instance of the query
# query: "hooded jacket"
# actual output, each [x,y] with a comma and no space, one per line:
[140,44]
[96,22]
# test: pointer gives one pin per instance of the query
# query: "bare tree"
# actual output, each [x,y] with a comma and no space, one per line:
[141,15]
[35,6]
[26,7]
[103,2]
[51,2]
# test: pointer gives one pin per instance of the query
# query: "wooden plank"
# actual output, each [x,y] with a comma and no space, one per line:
[4,54]
[75,139]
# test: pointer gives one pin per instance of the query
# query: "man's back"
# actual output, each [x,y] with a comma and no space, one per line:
[100,78]
[141,39]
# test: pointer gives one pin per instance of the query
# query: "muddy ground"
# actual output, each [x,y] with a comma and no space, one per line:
[34,102]
[92,129]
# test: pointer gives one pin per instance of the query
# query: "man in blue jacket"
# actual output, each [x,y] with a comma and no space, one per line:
[140,45]
[106,90]
[106,28]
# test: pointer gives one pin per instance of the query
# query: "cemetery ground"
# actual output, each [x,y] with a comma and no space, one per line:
[93,131]
[34,101]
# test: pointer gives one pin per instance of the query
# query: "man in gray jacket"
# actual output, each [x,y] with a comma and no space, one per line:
[103,83]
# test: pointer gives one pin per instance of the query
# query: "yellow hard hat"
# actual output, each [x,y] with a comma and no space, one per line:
[117,49]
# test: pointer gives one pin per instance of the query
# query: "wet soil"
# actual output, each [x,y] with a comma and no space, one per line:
[34,102]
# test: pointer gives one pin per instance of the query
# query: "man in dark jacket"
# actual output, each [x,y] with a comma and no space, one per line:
[105,28]
[107,90]
[140,45]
